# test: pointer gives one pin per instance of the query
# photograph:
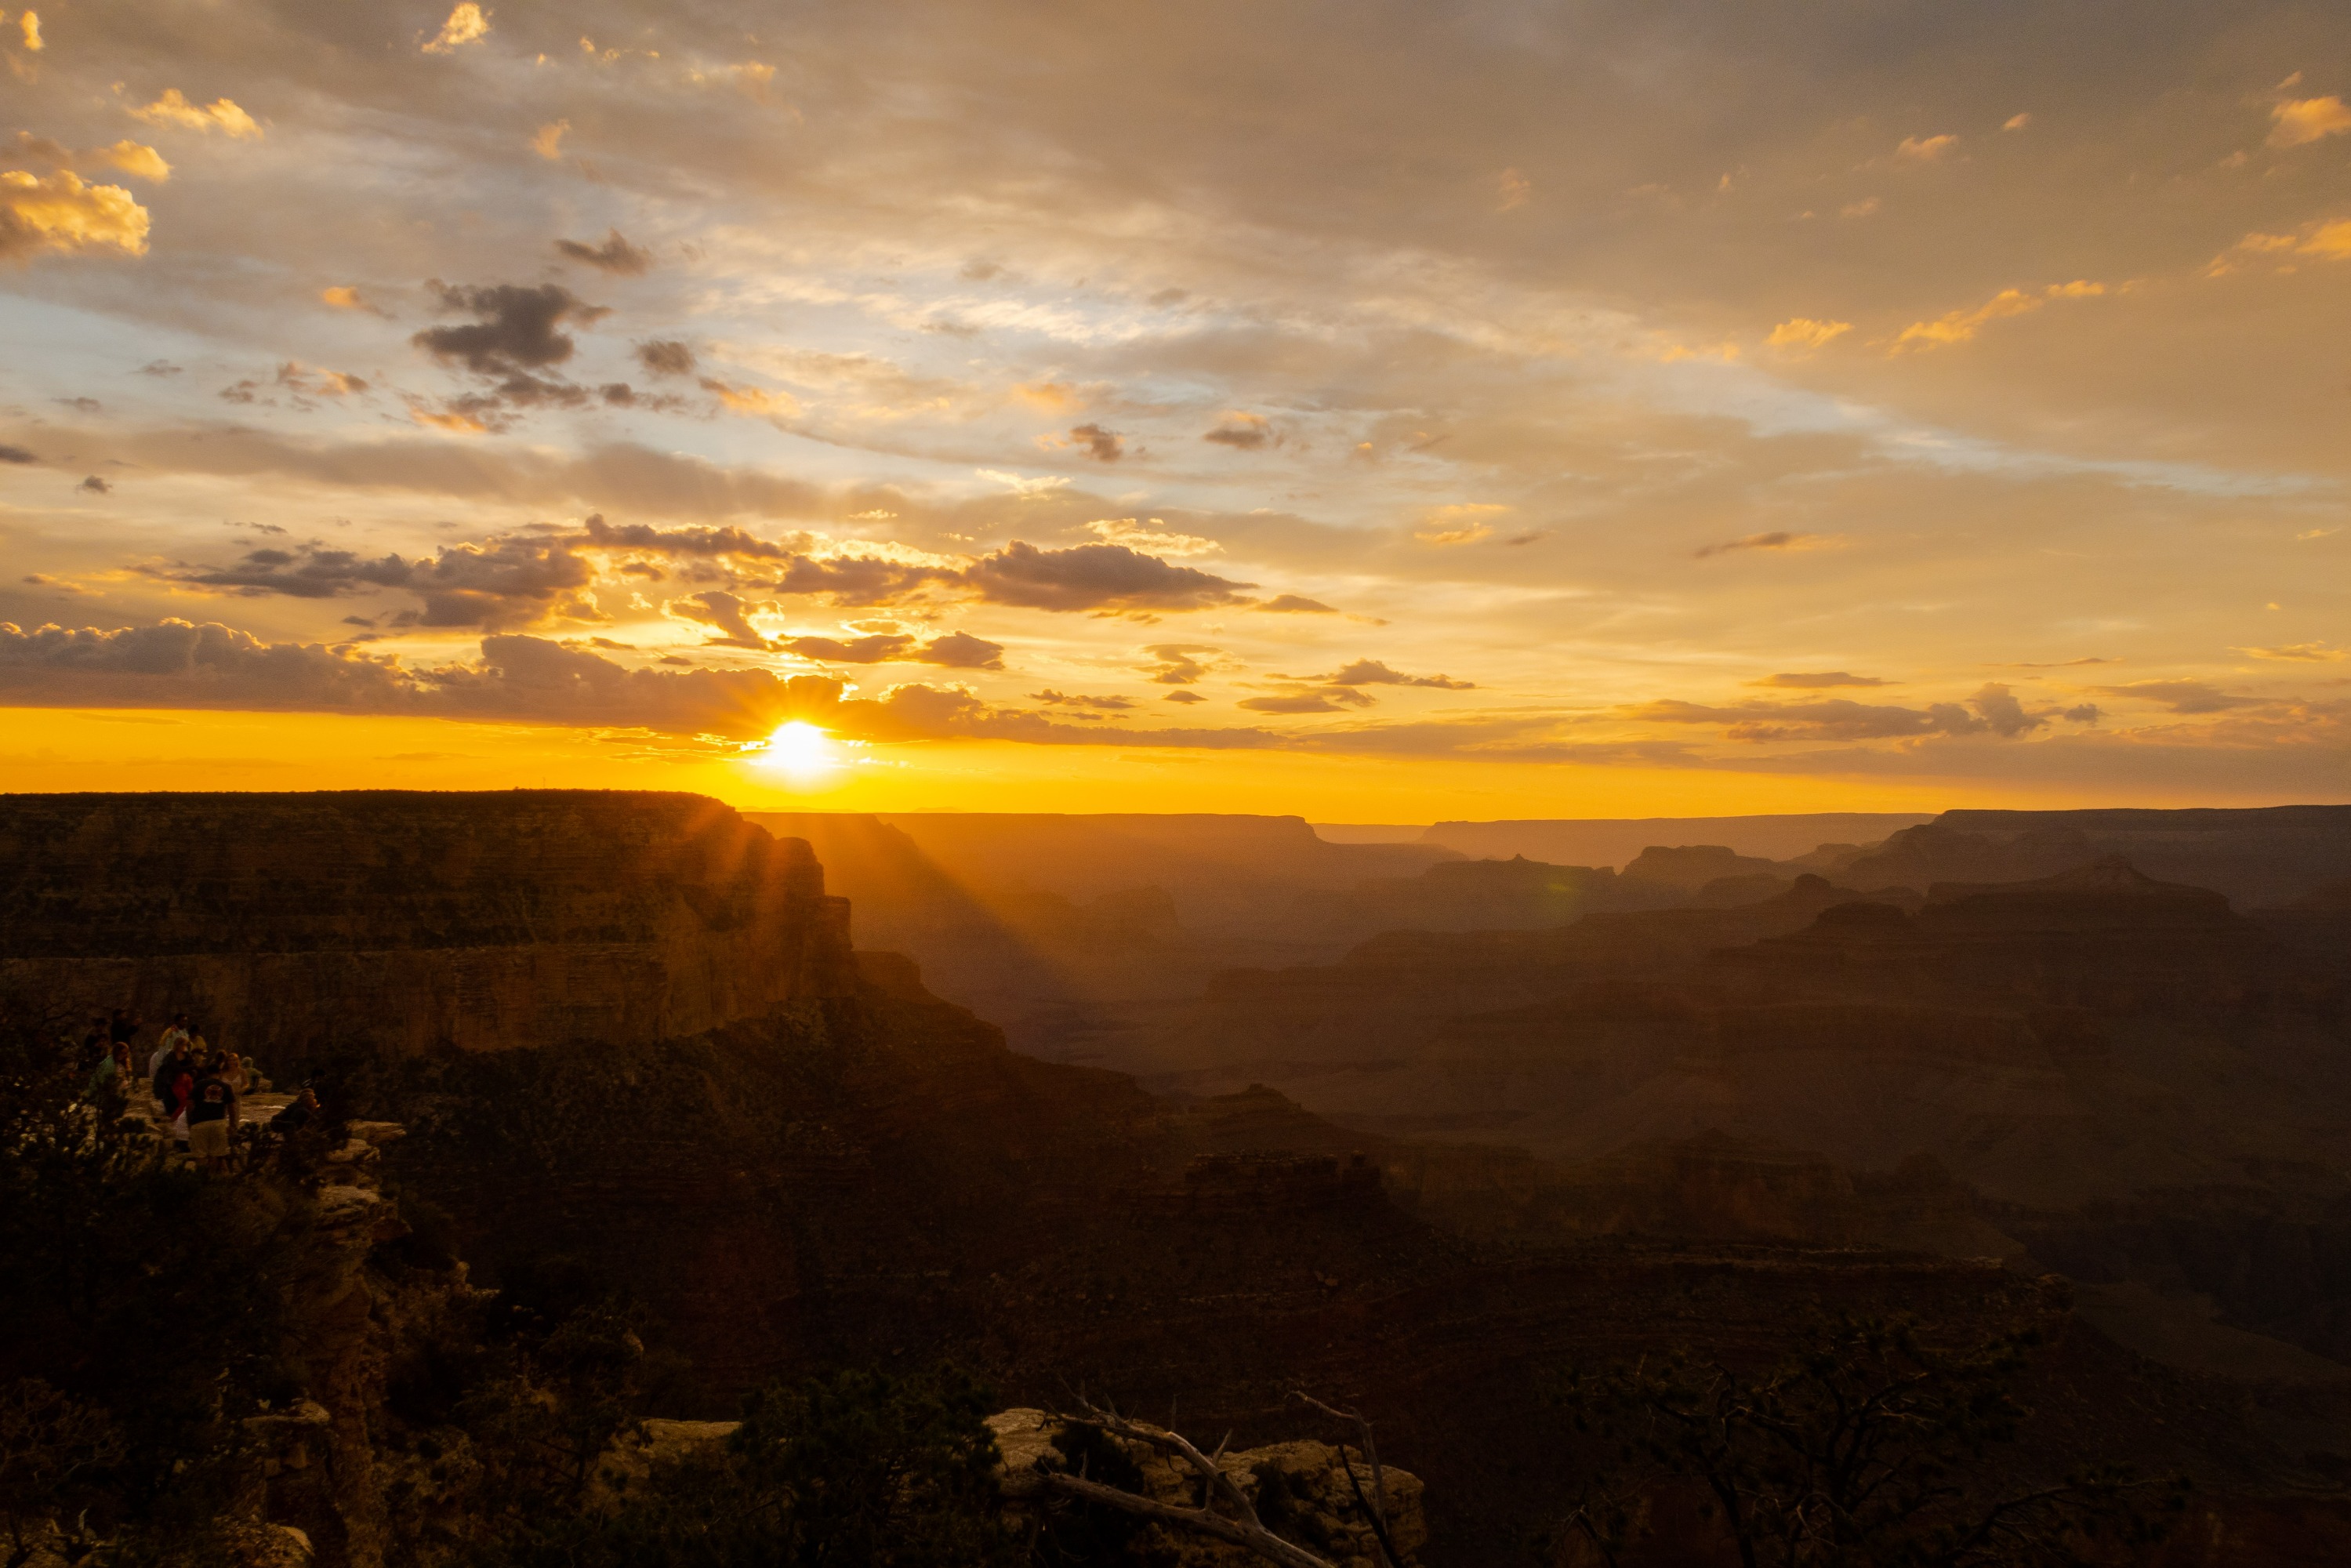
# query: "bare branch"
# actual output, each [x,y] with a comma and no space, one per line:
[1249,1535]
[1241,1526]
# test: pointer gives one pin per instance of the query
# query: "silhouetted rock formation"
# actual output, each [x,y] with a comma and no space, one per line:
[1613,841]
[2101,936]
[402,922]
[2259,858]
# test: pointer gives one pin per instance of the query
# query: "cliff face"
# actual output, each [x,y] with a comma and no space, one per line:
[395,923]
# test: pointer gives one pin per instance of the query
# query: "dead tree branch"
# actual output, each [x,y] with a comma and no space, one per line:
[1376,1507]
[1238,1524]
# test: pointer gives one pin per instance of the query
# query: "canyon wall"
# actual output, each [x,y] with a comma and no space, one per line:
[397,922]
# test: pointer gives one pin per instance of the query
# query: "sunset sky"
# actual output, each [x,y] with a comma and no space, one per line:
[1379,412]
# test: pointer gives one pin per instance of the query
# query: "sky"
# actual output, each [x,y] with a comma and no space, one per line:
[1379,412]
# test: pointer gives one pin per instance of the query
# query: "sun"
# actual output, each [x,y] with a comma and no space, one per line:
[800,748]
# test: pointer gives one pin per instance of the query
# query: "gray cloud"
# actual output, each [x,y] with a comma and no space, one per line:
[1817,681]
[1372,673]
[1337,701]
[15,455]
[506,580]
[722,610]
[517,329]
[2180,696]
[1102,445]
[1996,711]
[616,255]
[1294,604]
[1243,431]
[1776,539]
[1176,666]
[667,357]
[878,648]
[961,650]
[1096,577]
[1052,698]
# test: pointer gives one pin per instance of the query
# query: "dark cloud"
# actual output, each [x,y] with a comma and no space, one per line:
[619,394]
[1307,702]
[1184,698]
[1372,673]
[1052,698]
[857,580]
[703,542]
[1292,604]
[1817,681]
[2180,696]
[95,486]
[665,356]
[80,405]
[1996,711]
[307,571]
[2086,712]
[616,255]
[15,455]
[724,610]
[876,648]
[961,650]
[1103,446]
[159,368]
[517,329]
[508,579]
[1176,666]
[1095,577]
[1777,540]
[1246,432]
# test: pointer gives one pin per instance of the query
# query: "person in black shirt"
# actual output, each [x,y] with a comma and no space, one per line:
[213,1117]
[293,1118]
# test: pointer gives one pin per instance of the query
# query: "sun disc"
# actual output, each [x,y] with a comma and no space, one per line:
[800,746]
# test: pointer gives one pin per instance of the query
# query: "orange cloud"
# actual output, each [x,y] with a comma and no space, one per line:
[1515,191]
[2299,122]
[136,159]
[1804,332]
[1925,150]
[454,423]
[1052,396]
[2327,241]
[1462,524]
[756,401]
[29,23]
[467,23]
[547,139]
[2309,652]
[63,213]
[1959,326]
[222,115]
[343,297]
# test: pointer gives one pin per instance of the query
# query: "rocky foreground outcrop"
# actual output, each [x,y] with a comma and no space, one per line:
[395,923]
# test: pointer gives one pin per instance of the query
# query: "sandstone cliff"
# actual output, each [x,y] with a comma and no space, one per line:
[384,921]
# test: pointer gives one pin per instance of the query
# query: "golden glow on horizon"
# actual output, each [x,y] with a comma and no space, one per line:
[66,749]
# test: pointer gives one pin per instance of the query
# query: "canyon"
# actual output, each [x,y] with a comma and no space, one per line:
[1417,1172]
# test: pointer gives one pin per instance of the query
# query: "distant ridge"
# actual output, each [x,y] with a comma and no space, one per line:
[1613,841]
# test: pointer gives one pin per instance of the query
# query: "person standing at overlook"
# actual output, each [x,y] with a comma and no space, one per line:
[213,1112]
[176,1035]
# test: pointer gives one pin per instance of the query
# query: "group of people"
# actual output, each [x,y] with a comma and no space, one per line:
[199,1091]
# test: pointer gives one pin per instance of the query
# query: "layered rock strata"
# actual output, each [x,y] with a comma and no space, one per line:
[293,926]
